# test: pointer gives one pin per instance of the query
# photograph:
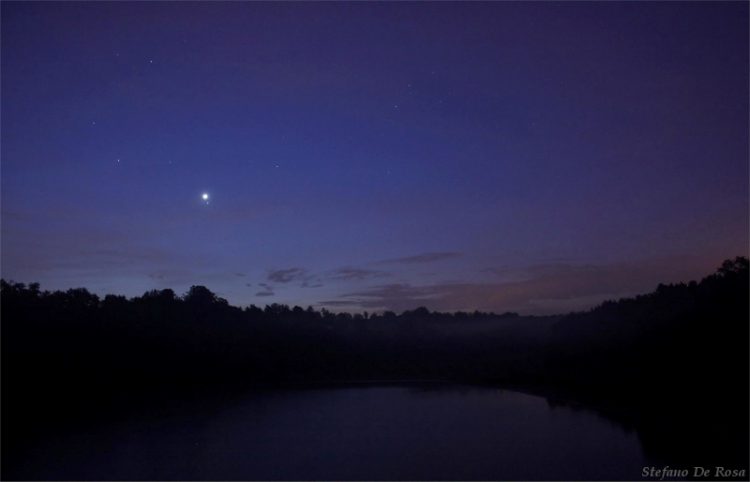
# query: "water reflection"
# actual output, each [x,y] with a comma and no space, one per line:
[396,433]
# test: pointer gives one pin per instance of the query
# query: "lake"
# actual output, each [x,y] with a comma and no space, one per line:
[416,432]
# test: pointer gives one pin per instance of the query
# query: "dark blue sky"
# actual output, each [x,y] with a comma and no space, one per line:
[535,157]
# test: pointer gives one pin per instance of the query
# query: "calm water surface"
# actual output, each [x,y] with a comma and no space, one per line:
[401,433]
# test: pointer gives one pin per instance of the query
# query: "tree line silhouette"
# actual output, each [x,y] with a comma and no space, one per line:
[68,357]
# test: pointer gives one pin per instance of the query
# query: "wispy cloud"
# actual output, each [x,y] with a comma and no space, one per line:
[398,296]
[356,274]
[295,275]
[266,290]
[422,258]
[338,303]
[287,275]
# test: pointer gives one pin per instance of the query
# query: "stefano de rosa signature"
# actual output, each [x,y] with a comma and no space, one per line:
[668,472]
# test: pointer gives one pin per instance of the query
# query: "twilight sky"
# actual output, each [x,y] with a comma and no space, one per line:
[534,157]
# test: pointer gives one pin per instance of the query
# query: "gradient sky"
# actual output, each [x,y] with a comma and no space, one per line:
[534,157]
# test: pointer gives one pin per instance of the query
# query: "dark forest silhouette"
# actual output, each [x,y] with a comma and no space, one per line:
[673,364]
